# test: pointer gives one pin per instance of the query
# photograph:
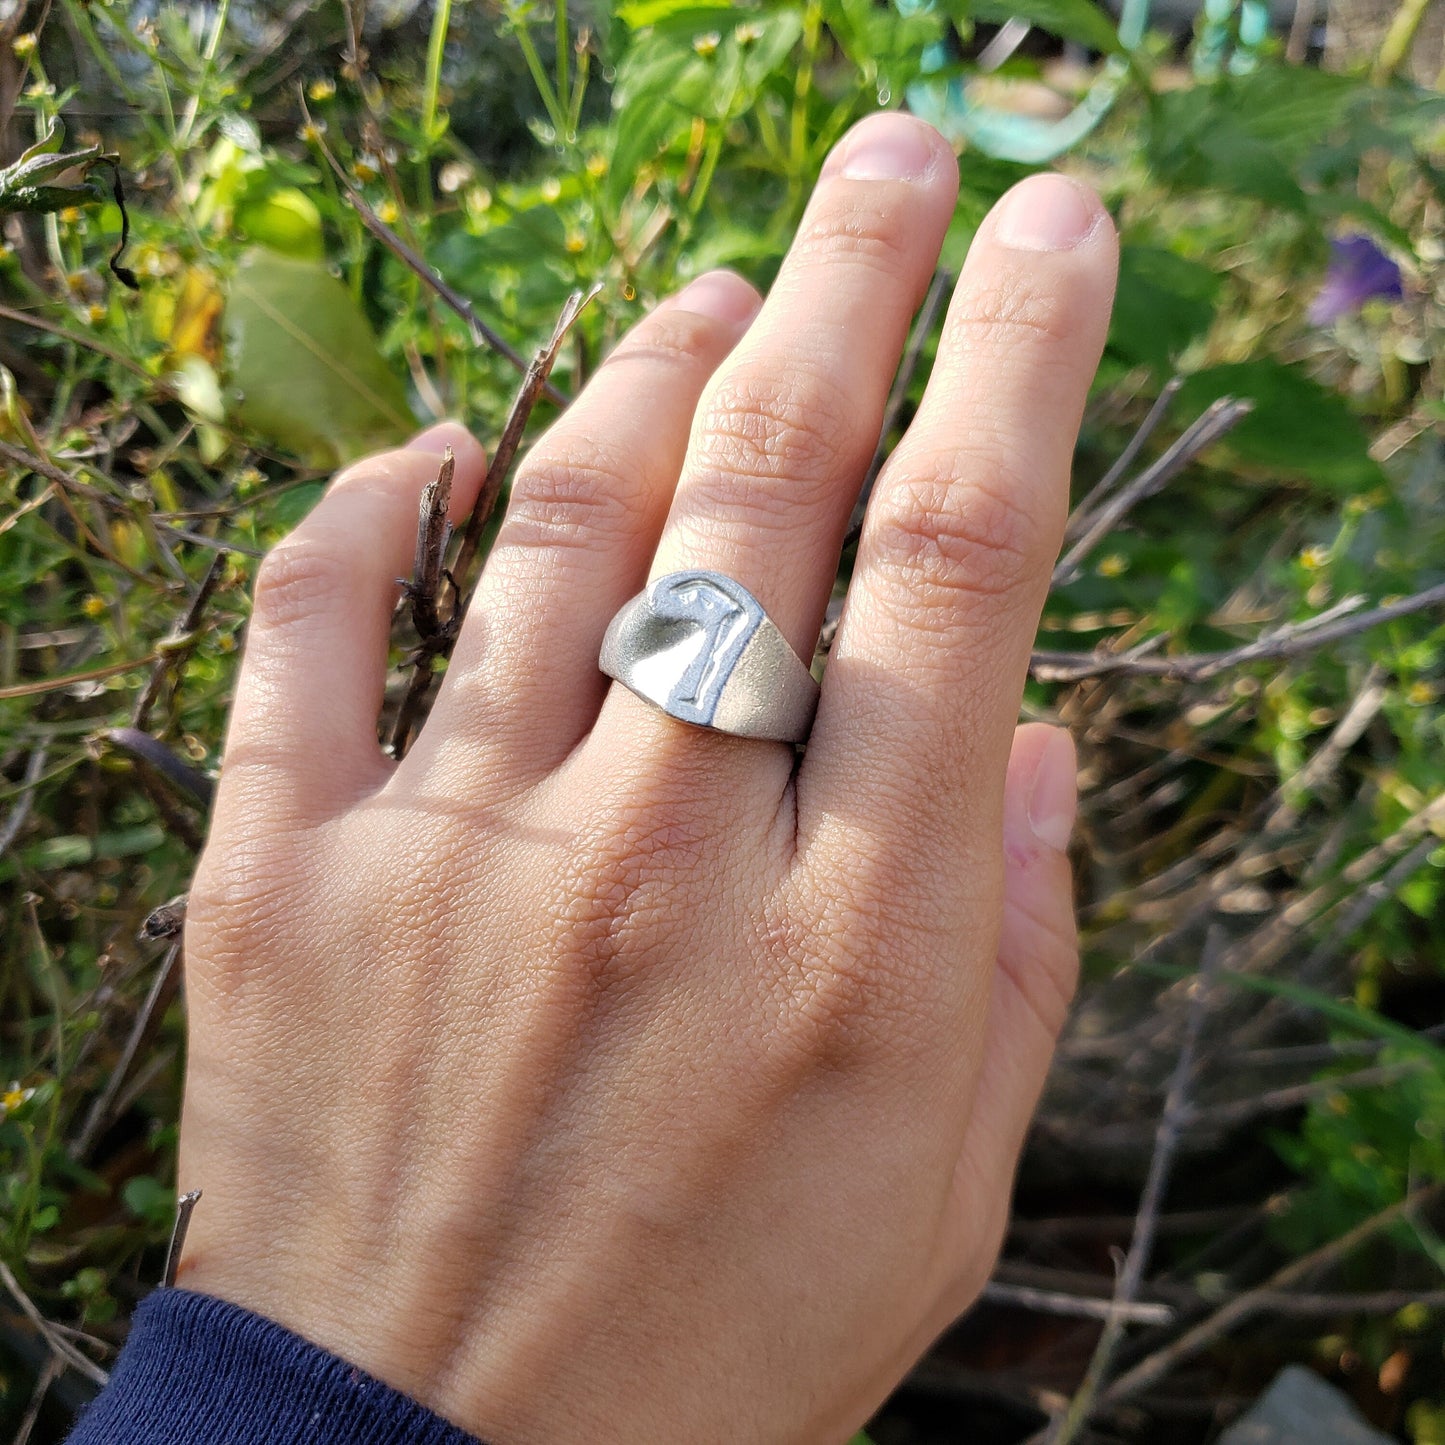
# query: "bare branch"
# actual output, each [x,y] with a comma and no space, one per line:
[1295,639]
[162,991]
[34,766]
[1221,417]
[179,645]
[1153,1368]
[1166,1143]
[437,640]
[185,1207]
[61,1348]
[1058,1302]
[1080,517]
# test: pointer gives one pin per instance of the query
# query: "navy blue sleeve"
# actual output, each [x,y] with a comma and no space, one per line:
[199,1371]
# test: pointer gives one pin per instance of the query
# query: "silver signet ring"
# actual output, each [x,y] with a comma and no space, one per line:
[699,646]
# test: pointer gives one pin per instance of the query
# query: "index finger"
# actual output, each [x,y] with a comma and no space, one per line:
[923,685]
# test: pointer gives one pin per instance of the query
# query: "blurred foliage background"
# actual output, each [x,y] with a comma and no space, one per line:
[1249,1108]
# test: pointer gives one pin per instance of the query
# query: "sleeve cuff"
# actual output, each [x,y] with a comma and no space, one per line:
[197,1369]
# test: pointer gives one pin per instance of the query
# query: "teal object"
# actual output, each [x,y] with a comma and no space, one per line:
[1231,34]
[948,104]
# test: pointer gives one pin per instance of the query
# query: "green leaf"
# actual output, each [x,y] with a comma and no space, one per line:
[1297,426]
[286,220]
[1200,145]
[304,367]
[638,14]
[1078,20]
[1163,302]
[149,1199]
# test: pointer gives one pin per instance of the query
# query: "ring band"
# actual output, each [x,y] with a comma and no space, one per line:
[699,646]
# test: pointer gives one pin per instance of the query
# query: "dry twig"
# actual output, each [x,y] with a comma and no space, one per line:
[1153,1368]
[1294,639]
[185,1207]
[437,634]
[1141,1246]
[162,990]
[59,1347]
[1221,417]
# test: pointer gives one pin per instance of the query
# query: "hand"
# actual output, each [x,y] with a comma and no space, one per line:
[593,1077]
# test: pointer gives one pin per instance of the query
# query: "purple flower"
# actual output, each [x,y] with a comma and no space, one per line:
[1359,270]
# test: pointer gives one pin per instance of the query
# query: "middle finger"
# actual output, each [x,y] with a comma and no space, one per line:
[788,424]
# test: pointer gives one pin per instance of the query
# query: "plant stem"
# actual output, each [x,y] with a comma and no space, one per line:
[1395,48]
[539,75]
[564,80]
[435,53]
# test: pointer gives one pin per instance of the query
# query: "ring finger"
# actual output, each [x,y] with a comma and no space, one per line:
[787,425]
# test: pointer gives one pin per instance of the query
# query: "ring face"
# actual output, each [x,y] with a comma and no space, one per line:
[699,646]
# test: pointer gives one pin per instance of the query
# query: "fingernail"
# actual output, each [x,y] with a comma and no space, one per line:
[886,147]
[722,295]
[1054,797]
[1046,213]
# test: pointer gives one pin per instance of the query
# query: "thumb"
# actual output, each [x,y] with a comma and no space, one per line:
[1038,953]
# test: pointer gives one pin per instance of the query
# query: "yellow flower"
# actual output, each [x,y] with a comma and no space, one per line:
[322,89]
[69,215]
[1113,565]
[95,313]
[748,33]
[389,212]
[575,243]
[597,166]
[707,43]
[551,188]
[24,45]
[14,1097]
[366,167]
[1421,693]
[1313,558]
[312,131]
[93,606]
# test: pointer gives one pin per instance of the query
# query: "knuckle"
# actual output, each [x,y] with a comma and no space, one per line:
[668,340]
[873,238]
[238,909]
[975,537]
[574,494]
[774,441]
[859,971]
[298,579]
[1008,313]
